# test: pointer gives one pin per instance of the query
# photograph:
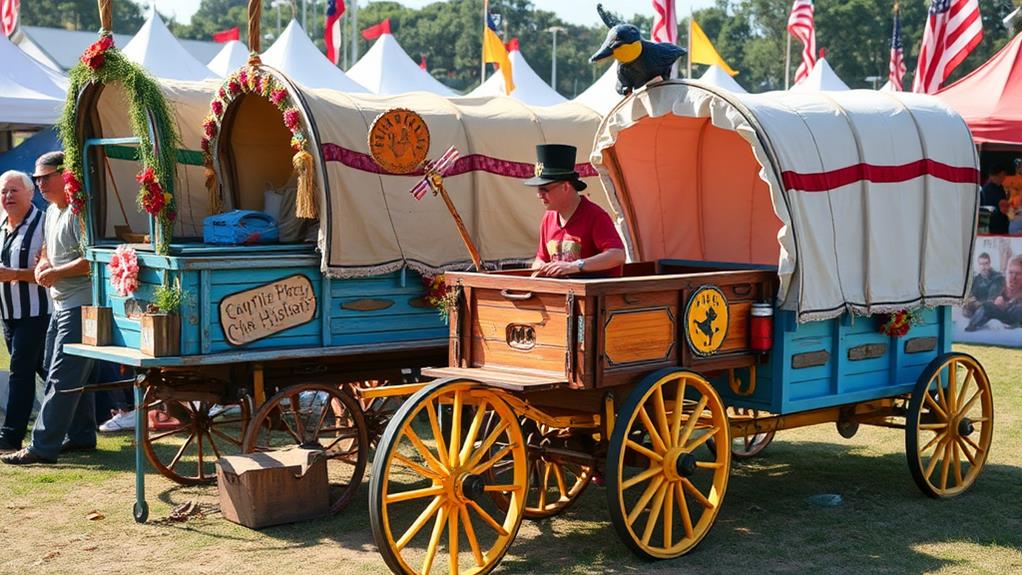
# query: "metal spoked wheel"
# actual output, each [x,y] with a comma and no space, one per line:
[183,439]
[425,474]
[663,490]
[555,480]
[316,416]
[949,425]
[746,446]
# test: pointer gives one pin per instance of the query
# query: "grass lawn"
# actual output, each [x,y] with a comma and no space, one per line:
[885,524]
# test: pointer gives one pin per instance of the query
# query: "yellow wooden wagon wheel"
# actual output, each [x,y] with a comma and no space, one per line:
[663,489]
[429,494]
[555,482]
[316,416]
[183,439]
[949,425]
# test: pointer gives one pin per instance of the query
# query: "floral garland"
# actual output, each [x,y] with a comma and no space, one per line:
[440,296]
[102,63]
[898,323]
[123,268]
[253,80]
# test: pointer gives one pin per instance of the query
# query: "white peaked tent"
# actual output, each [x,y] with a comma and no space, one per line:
[529,87]
[157,50]
[602,95]
[716,76]
[821,79]
[298,58]
[32,94]
[232,56]
[387,69]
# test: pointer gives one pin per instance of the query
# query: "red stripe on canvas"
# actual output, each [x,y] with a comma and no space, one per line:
[827,181]
[464,164]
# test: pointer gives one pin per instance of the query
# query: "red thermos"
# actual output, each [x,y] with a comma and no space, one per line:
[761,327]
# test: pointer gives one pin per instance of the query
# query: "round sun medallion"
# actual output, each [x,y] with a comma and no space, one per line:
[399,140]
[706,320]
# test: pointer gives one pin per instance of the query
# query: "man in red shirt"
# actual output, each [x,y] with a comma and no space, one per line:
[577,237]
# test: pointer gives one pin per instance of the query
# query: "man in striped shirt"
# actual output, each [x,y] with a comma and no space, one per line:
[66,421]
[24,304]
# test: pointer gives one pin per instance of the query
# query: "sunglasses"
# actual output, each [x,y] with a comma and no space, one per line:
[39,179]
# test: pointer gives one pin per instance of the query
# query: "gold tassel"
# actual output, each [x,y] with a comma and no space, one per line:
[305,204]
[215,205]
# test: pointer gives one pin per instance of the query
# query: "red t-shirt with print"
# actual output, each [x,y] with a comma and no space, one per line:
[589,231]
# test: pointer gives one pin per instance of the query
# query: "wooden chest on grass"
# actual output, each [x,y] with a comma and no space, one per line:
[601,332]
[262,489]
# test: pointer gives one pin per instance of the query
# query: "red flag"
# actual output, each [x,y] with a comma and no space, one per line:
[802,26]
[374,32]
[332,30]
[665,22]
[513,45]
[9,15]
[953,29]
[897,68]
[227,35]
[422,63]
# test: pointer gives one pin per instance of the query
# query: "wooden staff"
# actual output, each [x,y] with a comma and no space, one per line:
[436,182]
[255,14]
[106,18]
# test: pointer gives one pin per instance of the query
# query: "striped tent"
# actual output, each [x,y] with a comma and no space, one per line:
[864,200]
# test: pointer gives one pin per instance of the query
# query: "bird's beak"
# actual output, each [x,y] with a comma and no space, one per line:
[605,51]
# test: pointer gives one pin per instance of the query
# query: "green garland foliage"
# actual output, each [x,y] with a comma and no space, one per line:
[146,103]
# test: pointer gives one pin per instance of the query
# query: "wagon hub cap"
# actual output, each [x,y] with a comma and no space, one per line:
[965,427]
[471,488]
[686,465]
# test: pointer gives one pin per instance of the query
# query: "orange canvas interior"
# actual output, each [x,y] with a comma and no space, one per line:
[692,191]
[257,151]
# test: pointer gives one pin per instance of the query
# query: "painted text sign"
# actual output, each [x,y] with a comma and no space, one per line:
[259,312]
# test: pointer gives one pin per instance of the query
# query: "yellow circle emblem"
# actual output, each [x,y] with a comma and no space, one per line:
[706,320]
[399,141]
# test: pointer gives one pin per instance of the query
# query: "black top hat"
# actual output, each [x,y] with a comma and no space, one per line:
[555,163]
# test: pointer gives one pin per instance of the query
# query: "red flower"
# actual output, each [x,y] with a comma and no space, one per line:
[243,77]
[147,177]
[221,93]
[233,86]
[71,184]
[277,96]
[291,118]
[204,144]
[95,54]
[209,127]
[257,84]
[152,200]
[217,107]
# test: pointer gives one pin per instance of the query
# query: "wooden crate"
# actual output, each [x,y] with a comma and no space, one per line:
[160,335]
[262,489]
[591,333]
[97,325]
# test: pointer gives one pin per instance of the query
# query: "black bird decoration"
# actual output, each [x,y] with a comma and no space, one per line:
[639,61]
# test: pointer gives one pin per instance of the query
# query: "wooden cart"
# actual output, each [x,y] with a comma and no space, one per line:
[552,383]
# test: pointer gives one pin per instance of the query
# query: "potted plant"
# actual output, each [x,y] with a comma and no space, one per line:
[161,323]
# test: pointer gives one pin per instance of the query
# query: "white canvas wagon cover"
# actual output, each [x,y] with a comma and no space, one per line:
[866,201]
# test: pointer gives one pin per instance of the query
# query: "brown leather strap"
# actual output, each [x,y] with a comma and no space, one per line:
[255,14]
[106,18]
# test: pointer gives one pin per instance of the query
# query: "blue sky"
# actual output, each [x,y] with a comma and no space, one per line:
[574,11]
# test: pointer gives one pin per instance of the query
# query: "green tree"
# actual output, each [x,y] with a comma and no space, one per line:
[81,15]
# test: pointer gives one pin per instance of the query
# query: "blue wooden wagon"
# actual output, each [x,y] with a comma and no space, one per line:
[801,253]
[268,333]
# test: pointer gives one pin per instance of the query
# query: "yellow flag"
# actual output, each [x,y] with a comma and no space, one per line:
[701,51]
[494,51]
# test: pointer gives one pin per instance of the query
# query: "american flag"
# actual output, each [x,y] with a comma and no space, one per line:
[332,30]
[9,14]
[953,29]
[441,165]
[665,22]
[897,70]
[802,27]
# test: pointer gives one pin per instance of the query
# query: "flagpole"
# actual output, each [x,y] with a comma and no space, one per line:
[688,71]
[787,62]
[482,55]
[354,32]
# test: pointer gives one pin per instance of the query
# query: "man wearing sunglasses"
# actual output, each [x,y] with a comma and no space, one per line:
[577,237]
[66,421]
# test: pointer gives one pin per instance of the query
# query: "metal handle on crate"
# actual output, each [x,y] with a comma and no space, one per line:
[515,296]
[630,299]
[742,289]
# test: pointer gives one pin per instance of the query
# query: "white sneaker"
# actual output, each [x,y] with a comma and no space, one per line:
[122,421]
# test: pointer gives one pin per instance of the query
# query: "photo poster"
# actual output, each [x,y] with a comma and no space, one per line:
[992,312]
